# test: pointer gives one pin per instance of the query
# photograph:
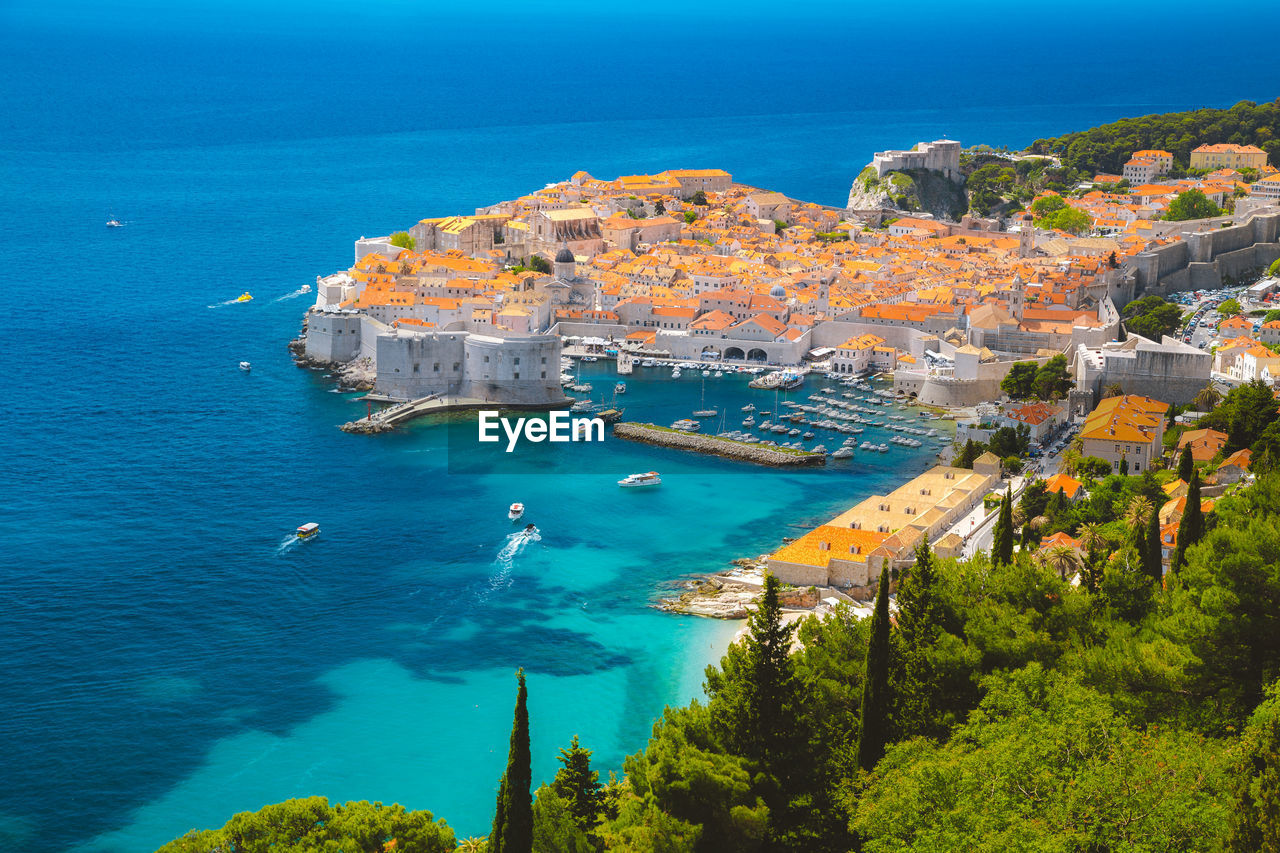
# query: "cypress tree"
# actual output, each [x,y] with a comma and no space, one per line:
[1151,558]
[1124,467]
[513,818]
[1002,536]
[1186,465]
[875,688]
[919,624]
[1191,525]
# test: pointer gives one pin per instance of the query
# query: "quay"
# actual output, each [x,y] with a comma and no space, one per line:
[715,446]
[388,419]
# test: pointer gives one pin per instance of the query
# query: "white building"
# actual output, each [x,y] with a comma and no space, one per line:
[941,155]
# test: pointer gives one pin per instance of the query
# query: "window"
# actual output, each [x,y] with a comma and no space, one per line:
[457,365]
[544,359]
[544,374]
[517,374]
[486,361]
[436,368]
[517,359]
[415,367]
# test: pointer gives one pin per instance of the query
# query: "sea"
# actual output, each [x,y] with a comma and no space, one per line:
[169,653]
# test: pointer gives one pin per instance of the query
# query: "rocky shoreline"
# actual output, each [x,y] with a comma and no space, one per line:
[741,451]
[733,593]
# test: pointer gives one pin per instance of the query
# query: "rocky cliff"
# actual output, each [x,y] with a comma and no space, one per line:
[911,191]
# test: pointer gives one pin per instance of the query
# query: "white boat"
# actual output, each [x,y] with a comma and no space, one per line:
[581,406]
[515,511]
[648,362]
[718,374]
[749,407]
[675,373]
[306,531]
[706,373]
[306,288]
[114,223]
[620,388]
[632,481]
[589,358]
[246,366]
[748,421]
[686,425]
[843,453]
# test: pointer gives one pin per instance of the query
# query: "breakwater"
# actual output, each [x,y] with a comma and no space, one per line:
[713,446]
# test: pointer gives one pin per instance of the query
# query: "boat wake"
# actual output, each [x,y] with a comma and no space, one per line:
[504,562]
[287,543]
[294,295]
[225,303]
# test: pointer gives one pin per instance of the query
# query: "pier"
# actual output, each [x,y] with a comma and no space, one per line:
[388,419]
[778,457]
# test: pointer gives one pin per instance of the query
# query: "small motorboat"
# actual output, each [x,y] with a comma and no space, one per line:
[114,223]
[308,530]
[530,529]
[620,388]
[306,288]
[244,297]
[515,511]
[631,481]
[749,407]
[843,453]
[246,366]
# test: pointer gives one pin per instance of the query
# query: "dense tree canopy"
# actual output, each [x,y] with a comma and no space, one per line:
[1152,317]
[1192,204]
[1108,147]
[311,825]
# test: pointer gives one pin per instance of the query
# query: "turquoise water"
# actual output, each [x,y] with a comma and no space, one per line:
[169,656]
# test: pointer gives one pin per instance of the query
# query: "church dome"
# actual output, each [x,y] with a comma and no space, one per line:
[778,292]
[564,256]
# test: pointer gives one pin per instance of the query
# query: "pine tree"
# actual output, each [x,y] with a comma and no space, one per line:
[513,818]
[875,688]
[1191,525]
[579,786]
[1002,536]
[1151,555]
[919,624]
[1186,465]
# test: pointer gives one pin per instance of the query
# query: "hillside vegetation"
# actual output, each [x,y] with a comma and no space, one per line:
[1108,147]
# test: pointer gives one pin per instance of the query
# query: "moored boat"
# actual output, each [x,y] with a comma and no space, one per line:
[649,478]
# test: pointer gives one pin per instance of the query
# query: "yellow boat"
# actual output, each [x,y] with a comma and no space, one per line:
[244,297]
[306,531]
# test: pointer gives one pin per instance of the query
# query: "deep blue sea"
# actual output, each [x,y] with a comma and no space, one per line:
[167,656]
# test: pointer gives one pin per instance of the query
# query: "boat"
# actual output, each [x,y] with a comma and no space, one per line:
[306,531]
[515,511]
[649,478]
[114,223]
[675,373]
[244,297]
[581,406]
[808,436]
[306,288]
[842,453]
[610,416]
[783,380]
[620,388]
[686,425]
[718,374]
[648,362]
[749,407]
[246,366]
[704,412]
[589,358]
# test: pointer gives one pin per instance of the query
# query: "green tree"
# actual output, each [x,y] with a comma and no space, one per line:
[1229,308]
[1046,205]
[1052,380]
[579,786]
[1243,415]
[1019,382]
[699,198]
[873,734]
[537,263]
[1192,204]
[920,623]
[1002,534]
[311,824]
[659,208]
[969,452]
[1069,219]
[1255,818]
[642,827]
[1152,317]
[1046,764]
[404,240]
[1010,441]
[690,217]
[1186,465]
[1191,525]
[555,830]
[1152,556]
[513,819]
